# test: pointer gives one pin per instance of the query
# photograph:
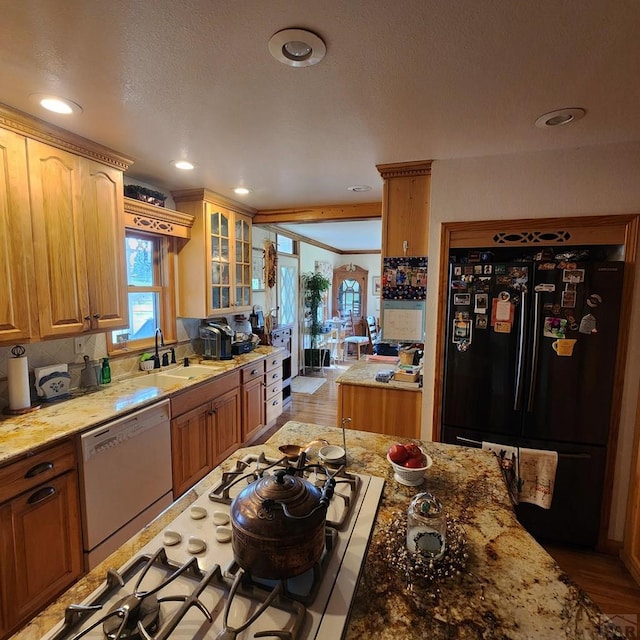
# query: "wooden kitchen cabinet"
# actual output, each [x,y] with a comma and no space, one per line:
[253,400]
[16,254]
[394,412]
[40,533]
[205,429]
[214,266]
[405,208]
[77,213]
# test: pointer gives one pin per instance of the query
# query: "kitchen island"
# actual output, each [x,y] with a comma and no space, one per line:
[392,408]
[510,588]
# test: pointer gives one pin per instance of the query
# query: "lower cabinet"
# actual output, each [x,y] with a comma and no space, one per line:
[253,414]
[40,533]
[205,429]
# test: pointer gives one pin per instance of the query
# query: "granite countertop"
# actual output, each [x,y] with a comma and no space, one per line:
[363,373]
[510,588]
[27,432]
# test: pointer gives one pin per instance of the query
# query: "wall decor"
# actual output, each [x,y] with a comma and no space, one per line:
[257,270]
[404,278]
[376,285]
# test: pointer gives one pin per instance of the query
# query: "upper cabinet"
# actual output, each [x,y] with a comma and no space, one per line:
[405,208]
[16,255]
[64,211]
[214,267]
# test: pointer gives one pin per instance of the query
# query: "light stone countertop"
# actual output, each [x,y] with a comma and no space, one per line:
[511,588]
[363,373]
[28,432]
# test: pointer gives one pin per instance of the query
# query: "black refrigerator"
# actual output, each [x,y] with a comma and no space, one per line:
[530,360]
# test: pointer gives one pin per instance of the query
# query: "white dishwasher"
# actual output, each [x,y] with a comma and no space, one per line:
[125,478]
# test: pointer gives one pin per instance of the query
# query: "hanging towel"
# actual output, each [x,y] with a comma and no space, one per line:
[508,460]
[537,473]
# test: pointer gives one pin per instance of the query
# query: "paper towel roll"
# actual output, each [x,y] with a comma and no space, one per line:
[18,374]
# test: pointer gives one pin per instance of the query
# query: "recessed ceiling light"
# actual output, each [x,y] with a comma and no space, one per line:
[297,47]
[559,117]
[241,191]
[185,165]
[359,188]
[56,103]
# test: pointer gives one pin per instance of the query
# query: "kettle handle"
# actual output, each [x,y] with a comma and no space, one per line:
[323,503]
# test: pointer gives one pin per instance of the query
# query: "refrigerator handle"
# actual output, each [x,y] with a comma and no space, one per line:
[517,395]
[534,352]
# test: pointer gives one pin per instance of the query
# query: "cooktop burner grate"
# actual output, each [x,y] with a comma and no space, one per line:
[126,609]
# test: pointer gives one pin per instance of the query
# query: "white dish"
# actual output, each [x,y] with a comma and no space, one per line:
[408,483]
[409,476]
[332,454]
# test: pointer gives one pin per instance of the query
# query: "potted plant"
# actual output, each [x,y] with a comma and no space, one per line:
[145,195]
[314,285]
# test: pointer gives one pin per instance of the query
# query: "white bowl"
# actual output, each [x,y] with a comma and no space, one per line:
[332,454]
[411,477]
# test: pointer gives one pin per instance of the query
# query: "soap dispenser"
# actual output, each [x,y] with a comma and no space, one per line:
[106,371]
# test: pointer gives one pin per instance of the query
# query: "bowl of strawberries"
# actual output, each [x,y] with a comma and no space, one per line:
[409,462]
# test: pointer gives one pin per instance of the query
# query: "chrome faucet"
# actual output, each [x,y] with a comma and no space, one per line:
[156,357]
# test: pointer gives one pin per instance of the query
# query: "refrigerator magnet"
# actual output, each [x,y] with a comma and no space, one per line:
[461,331]
[481,321]
[568,299]
[594,300]
[477,269]
[487,269]
[500,269]
[554,327]
[502,327]
[574,276]
[481,303]
[588,324]
[461,299]
[457,271]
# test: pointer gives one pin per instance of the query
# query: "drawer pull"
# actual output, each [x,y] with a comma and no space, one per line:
[254,372]
[40,495]
[275,375]
[42,467]
[274,362]
[275,403]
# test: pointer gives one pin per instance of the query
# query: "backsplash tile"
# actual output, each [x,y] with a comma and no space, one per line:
[40,354]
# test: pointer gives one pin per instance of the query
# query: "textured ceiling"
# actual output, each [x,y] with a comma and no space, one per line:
[402,80]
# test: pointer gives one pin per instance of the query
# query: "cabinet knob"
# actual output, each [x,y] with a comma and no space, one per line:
[87,318]
[254,372]
[96,316]
[212,412]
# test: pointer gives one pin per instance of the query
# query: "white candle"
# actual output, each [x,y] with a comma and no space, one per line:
[18,374]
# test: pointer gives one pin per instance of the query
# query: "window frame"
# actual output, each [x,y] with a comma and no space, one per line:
[164,252]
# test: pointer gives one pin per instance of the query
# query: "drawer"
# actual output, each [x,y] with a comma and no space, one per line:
[274,408]
[273,389]
[274,361]
[272,376]
[252,371]
[35,469]
[197,395]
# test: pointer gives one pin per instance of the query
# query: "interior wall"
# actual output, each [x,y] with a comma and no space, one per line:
[585,181]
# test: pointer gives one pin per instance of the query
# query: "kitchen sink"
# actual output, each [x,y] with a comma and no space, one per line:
[171,377]
[194,371]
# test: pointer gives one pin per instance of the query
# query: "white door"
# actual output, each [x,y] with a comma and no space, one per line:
[288,268]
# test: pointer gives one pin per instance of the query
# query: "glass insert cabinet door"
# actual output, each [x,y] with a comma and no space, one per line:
[243,262]
[220,259]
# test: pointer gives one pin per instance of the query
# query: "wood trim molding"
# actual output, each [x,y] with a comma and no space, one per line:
[405,169]
[328,213]
[594,230]
[147,217]
[203,194]
[36,129]
[315,243]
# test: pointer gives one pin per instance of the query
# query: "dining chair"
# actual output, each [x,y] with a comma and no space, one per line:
[358,341]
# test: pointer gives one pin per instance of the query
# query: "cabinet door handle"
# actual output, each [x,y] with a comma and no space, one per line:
[40,495]
[37,469]
[97,316]
[87,318]
[212,412]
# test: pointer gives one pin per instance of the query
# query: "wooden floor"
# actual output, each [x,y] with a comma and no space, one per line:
[603,577]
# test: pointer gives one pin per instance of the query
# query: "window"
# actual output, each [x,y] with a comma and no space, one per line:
[349,298]
[285,245]
[150,292]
